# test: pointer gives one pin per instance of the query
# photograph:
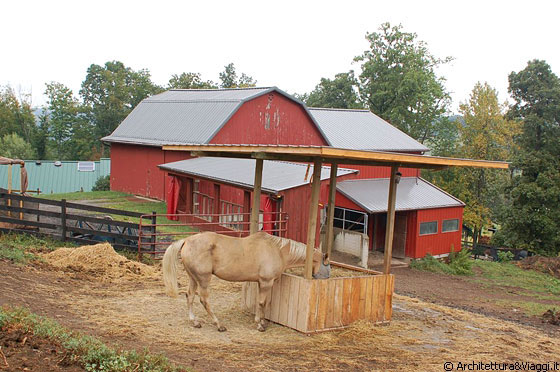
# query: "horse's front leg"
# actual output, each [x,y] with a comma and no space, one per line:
[265,287]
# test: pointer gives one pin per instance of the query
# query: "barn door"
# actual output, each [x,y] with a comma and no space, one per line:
[399,236]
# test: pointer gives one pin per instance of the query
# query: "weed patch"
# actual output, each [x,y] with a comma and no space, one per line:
[458,263]
[88,351]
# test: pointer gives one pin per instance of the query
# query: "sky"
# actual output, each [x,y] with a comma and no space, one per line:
[288,44]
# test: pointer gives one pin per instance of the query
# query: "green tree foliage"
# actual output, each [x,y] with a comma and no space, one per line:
[484,133]
[533,220]
[63,116]
[398,82]
[16,115]
[229,78]
[341,92]
[15,147]
[189,80]
[112,91]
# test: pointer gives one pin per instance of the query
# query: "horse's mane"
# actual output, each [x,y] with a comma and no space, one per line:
[297,249]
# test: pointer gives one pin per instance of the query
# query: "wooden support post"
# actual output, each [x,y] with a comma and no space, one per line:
[330,216]
[63,219]
[256,197]
[312,225]
[390,228]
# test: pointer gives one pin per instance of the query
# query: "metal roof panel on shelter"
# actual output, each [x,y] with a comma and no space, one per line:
[362,130]
[412,194]
[277,175]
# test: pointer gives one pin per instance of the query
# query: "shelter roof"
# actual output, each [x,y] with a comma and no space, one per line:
[277,175]
[333,155]
[412,194]
[362,130]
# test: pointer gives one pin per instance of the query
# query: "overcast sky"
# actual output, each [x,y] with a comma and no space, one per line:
[289,44]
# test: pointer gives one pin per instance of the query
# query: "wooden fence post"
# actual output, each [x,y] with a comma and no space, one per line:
[63,219]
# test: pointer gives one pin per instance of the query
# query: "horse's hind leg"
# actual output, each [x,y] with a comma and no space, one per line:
[203,293]
[191,292]
[265,288]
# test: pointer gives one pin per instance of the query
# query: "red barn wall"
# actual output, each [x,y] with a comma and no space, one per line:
[439,243]
[271,119]
[134,170]
[367,172]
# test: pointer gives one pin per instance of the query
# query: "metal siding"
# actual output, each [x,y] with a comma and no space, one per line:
[362,130]
[270,119]
[234,94]
[367,172]
[51,179]
[439,243]
[412,194]
[134,170]
[343,202]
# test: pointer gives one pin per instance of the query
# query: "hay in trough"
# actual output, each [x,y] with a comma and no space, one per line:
[336,272]
[100,261]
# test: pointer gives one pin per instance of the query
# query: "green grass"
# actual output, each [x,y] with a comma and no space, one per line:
[529,307]
[508,275]
[88,351]
[22,248]
[92,195]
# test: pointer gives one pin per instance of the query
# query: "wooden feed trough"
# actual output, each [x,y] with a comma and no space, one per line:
[311,305]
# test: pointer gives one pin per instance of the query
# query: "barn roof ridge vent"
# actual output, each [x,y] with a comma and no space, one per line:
[221,89]
[338,109]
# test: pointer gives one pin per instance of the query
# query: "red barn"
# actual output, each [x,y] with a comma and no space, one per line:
[428,219]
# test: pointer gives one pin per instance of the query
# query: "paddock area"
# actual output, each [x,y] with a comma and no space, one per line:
[125,304]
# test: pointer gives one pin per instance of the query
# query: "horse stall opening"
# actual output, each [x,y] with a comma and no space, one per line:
[314,305]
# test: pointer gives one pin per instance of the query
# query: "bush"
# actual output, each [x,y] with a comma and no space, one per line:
[505,256]
[459,263]
[102,184]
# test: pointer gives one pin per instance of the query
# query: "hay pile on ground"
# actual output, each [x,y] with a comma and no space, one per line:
[100,261]
[547,265]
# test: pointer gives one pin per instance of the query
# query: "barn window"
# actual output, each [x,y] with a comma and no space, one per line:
[450,225]
[428,228]
[348,219]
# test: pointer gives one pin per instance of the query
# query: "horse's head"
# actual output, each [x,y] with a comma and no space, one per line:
[320,270]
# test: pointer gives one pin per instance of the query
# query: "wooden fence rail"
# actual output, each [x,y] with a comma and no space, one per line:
[67,221]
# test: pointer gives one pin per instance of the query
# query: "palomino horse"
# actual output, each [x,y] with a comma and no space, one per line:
[258,258]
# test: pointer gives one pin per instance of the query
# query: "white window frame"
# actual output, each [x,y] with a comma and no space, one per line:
[448,231]
[364,224]
[432,233]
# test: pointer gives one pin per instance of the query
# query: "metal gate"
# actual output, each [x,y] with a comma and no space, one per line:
[157,231]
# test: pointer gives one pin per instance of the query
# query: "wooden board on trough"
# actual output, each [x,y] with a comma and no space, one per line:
[314,305]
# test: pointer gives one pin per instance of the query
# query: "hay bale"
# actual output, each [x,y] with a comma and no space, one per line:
[100,261]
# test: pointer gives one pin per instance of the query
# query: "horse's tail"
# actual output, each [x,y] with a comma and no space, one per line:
[169,267]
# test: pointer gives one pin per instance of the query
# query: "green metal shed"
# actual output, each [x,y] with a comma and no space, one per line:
[57,176]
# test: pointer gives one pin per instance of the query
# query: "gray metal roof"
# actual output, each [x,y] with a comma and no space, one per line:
[182,116]
[412,194]
[362,130]
[277,175]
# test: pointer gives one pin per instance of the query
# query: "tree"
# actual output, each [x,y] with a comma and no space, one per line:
[337,93]
[398,81]
[111,92]
[229,78]
[16,115]
[63,116]
[189,80]
[15,147]
[483,133]
[533,220]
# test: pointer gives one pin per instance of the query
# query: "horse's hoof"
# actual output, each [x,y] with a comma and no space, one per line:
[197,325]
[260,328]
[222,329]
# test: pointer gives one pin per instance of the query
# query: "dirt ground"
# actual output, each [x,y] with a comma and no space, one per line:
[133,312]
